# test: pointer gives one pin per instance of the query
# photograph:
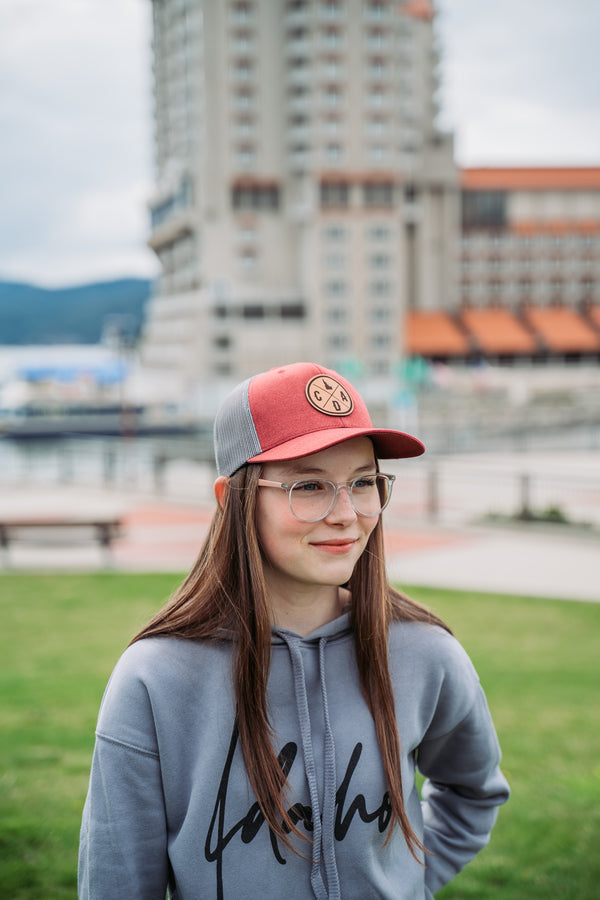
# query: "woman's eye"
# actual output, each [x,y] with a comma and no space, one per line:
[367,481]
[309,487]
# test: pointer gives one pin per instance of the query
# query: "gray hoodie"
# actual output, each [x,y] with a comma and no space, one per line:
[169,804]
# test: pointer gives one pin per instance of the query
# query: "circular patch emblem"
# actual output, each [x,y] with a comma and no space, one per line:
[328,396]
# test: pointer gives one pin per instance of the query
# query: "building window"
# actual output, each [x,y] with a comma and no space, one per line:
[244,127]
[376,39]
[333,153]
[376,68]
[335,261]
[380,288]
[335,233]
[376,97]
[331,38]
[243,70]
[332,125]
[263,197]
[375,9]
[223,369]
[243,99]
[379,233]
[332,96]
[380,340]
[245,156]
[335,288]
[335,194]
[484,209]
[331,69]
[379,261]
[241,12]
[381,194]
[330,9]
[376,153]
[253,311]
[293,311]
[377,125]
[380,367]
[247,260]
[182,198]
[380,314]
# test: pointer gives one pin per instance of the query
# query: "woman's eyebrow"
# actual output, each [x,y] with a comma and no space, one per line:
[308,469]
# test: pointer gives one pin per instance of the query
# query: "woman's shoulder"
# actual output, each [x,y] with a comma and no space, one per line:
[161,673]
[159,661]
[430,647]
[444,683]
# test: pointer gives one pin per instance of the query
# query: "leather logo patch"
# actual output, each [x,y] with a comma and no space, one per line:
[328,396]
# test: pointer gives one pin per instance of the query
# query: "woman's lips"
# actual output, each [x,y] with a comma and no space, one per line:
[335,546]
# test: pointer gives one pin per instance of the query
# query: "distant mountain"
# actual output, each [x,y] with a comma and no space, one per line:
[74,315]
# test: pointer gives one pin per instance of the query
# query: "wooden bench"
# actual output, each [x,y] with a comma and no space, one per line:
[103,529]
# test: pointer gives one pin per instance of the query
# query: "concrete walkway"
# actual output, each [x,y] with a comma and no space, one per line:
[165,535]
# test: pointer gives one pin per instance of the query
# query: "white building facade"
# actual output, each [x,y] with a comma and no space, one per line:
[304,197]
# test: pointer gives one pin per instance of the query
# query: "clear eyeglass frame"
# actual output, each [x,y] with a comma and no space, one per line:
[289,487]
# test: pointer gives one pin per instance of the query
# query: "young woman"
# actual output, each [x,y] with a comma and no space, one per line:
[260,737]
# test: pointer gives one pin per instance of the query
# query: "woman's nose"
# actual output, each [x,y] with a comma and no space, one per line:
[342,509]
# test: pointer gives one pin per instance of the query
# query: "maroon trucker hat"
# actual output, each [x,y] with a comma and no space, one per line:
[295,410]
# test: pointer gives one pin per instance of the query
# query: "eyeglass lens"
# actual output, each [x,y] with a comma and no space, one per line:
[311,500]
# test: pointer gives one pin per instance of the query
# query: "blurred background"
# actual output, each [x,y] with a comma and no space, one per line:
[408,192]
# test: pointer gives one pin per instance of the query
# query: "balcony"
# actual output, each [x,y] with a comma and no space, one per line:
[299,159]
[297,17]
[182,222]
[298,47]
[298,77]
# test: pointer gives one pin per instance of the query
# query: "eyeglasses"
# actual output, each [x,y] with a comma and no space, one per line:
[313,498]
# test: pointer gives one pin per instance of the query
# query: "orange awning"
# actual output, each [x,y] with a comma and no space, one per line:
[433,333]
[556,226]
[593,313]
[563,329]
[419,9]
[498,332]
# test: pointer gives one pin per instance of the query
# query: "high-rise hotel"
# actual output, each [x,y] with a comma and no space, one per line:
[304,196]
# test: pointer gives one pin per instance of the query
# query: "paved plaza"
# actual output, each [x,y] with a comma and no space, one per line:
[164,534]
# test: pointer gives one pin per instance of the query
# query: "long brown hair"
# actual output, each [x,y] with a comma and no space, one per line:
[225,595]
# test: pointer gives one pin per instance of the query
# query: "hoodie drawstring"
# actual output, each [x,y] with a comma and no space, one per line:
[329,793]
[323,823]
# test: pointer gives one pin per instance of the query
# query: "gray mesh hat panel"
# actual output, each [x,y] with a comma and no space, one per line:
[235,437]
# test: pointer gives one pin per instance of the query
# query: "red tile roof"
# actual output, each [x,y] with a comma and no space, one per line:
[490,179]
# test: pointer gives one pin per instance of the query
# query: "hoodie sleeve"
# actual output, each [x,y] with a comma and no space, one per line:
[123,841]
[460,759]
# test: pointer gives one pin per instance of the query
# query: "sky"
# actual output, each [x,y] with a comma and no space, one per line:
[519,87]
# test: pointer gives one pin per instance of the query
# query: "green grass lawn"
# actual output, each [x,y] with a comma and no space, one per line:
[538,661]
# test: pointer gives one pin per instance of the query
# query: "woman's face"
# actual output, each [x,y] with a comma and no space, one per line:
[302,558]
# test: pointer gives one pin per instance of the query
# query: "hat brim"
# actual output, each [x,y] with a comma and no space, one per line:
[388,444]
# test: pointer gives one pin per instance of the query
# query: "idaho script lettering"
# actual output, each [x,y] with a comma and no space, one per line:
[220,835]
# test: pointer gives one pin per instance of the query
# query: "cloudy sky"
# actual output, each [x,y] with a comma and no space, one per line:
[520,86]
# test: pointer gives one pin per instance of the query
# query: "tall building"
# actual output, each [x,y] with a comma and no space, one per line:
[305,198]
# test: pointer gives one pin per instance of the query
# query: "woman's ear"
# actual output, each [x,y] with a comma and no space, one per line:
[220,487]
